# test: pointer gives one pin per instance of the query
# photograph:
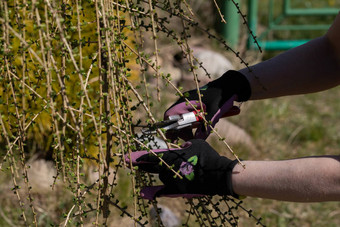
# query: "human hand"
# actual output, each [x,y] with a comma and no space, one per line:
[217,98]
[204,171]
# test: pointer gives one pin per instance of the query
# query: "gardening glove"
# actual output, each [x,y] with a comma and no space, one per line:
[203,171]
[217,98]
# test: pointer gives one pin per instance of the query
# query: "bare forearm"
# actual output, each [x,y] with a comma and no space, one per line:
[310,179]
[312,67]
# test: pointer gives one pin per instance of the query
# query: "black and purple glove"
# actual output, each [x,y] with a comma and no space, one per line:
[218,99]
[204,171]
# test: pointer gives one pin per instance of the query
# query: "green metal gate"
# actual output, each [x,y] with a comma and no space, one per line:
[269,18]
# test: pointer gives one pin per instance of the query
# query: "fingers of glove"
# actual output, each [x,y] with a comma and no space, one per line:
[183,107]
[155,163]
[185,134]
[152,161]
[134,156]
[235,110]
[178,109]
[225,108]
[145,160]
[203,132]
[152,192]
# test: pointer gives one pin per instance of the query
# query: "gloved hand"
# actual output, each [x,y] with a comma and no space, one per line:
[204,171]
[218,97]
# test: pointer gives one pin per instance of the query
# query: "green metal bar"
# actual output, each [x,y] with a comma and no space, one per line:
[252,20]
[231,30]
[286,6]
[289,11]
[281,45]
[279,19]
[275,24]
[301,27]
[312,12]
[271,21]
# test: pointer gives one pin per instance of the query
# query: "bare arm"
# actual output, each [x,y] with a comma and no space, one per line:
[311,179]
[312,67]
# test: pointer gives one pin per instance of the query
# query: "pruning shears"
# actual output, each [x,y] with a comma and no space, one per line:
[176,122]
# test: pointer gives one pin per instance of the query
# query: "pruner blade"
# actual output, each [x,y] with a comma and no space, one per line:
[175,122]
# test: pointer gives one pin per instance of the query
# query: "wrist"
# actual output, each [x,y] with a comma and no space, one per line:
[233,82]
[235,173]
[228,186]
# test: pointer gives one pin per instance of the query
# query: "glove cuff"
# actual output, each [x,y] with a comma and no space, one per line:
[227,188]
[233,82]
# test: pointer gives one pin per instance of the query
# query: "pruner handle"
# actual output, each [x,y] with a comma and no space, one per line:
[185,120]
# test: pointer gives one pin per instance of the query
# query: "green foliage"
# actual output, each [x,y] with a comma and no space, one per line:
[54,87]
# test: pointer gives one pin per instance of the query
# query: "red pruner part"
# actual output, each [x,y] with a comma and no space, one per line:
[198,115]
[199,118]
